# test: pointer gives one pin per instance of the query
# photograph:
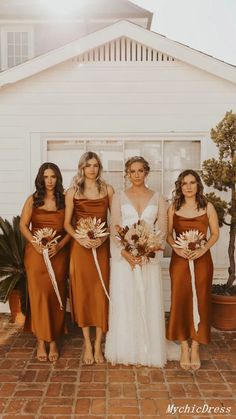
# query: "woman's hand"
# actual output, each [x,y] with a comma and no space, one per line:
[132,260]
[37,247]
[53,249]
[183,253]
[197,253]
[89,243]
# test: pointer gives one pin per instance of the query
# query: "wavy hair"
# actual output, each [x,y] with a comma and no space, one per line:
[39,194]
[78,181]
[136,159]
[178,196]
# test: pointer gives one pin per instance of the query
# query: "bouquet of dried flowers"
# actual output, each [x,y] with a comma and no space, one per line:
[44,238]
[140,240]
[93,228]
[191,240]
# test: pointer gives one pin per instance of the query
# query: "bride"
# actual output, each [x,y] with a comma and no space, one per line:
[136,321]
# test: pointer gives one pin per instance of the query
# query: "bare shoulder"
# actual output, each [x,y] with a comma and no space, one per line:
[171,210]
[110,190]
[70,192]
[29,201]
[210,209]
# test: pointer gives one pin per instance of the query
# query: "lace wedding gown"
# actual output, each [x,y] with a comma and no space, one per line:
[136,319]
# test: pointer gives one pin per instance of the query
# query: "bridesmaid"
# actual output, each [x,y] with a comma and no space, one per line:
[190,210]
[46,208]
[89,197]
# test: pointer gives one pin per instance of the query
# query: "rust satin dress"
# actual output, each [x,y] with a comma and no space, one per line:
[45,318]
[180,326]
[89,304]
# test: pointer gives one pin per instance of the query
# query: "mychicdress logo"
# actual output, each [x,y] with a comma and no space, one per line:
[172,409]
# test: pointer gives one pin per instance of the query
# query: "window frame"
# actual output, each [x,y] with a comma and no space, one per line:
[5,29]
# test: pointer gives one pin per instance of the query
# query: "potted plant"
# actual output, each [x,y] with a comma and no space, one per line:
[13,284]
[221,174]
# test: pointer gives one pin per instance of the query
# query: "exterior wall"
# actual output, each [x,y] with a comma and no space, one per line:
[163,98]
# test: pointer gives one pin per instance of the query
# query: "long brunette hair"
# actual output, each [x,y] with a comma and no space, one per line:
[178,197]
[39,194]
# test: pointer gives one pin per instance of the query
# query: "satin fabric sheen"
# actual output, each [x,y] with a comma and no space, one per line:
[45,318]
[89,304]
[180,326]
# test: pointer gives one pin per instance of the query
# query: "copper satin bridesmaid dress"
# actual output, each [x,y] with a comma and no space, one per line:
[180,326]
[45,318]
[89,304]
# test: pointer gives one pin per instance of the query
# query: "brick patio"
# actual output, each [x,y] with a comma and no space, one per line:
[67,389]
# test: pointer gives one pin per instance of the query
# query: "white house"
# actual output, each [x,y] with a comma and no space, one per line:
[118,89]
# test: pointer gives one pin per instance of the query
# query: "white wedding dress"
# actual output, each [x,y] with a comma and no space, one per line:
[136,317]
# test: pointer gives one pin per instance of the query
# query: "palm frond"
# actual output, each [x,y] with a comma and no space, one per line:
[7,285]
[9,241]
[20,240]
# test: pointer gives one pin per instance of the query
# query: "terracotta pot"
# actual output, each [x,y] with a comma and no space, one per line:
[17,316]
[224,312]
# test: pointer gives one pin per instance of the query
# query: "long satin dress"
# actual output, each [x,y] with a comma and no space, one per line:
[89,304]
[45,318]
[180,326]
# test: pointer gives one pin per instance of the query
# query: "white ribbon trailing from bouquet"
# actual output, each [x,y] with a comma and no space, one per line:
[140,288]
[94,252]
[196,317]
[52,275]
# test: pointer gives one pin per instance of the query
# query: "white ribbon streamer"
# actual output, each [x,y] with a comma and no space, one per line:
[140,287]
[196,317]
[52,276]
[100,273]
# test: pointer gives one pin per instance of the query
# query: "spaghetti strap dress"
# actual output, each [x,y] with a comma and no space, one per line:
[88,302]
[44,317]
[180,326]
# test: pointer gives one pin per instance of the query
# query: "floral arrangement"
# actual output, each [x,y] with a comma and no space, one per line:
[44,238]
[140,239]
[192,240]
[93,228]
[90,227]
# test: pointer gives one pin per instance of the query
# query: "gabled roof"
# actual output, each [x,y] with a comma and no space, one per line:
[117,30]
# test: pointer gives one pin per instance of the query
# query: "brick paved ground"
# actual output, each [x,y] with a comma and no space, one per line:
[67,389]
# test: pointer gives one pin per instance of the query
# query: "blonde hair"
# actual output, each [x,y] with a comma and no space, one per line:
[78,181]
[136,159]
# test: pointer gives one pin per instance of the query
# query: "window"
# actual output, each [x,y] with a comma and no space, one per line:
[16,45]
[167,158]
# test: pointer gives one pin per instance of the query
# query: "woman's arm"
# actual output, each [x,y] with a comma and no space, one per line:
[69,208]
[170,239]
[25,220]
[110,192]
[214,232]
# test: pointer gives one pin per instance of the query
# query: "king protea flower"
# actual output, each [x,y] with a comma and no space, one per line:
[90,227]
[190,240]
[45,237]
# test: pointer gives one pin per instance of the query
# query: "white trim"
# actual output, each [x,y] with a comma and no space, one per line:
[5,29]
[117,30]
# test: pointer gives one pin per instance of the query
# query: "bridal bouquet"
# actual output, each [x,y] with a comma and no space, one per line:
[192,240]
[92,228]
[140,239]
[45,237]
